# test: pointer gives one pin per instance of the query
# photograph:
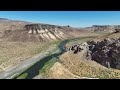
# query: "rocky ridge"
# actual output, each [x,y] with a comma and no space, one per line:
[104,28]
[106,52]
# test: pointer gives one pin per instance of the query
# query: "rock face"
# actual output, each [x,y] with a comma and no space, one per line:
[117,30]
[106,52]
[75,48]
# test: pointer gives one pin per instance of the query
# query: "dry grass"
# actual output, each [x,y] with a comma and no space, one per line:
[12,53]
[57,71]
[77,65]
[84,37]
[114,35]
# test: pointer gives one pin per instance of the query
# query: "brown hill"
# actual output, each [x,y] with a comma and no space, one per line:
[13,30]
[36,32]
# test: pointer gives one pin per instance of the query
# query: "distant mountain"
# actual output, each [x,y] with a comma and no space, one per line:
[16,30]
[10,20]
[4,19]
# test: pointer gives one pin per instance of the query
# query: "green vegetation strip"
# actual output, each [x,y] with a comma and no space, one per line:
[47,66]
[19,74]
[42,71]
[49,63]
[23,76]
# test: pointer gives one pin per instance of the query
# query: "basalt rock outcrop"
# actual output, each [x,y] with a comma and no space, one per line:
[75,48]
[106,52]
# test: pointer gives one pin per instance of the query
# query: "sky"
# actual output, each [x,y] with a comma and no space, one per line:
[72,18]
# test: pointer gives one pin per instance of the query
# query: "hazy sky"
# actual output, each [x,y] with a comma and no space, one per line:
[72,18]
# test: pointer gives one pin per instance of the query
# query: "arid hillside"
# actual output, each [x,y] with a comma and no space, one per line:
[20,40]
[12,30]
[6,24]
[35,32]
